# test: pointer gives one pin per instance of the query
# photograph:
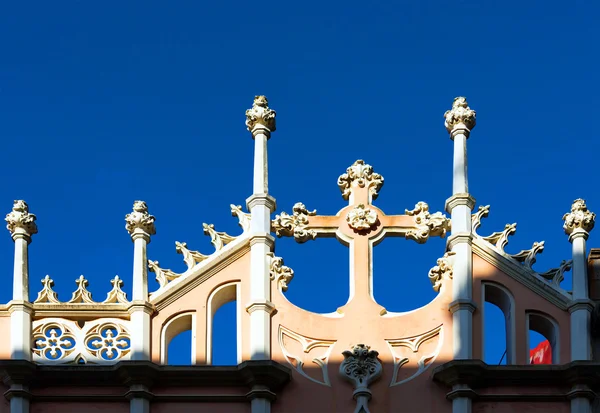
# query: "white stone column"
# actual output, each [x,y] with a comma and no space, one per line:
[140,225]
[578,224]
[459,122]
[260,120]
[21,225]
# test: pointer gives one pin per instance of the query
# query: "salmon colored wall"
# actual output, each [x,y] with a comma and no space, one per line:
[525,300]
[5,342]
[362,323]
[196,301]
[67,407]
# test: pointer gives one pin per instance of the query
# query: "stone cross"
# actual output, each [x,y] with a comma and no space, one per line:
[360,226]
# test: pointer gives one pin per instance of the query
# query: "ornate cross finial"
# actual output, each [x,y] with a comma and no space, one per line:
[460,114]
[140,219]
[580,219]
[260,115]
[361,367]
[360,174]
[20,220]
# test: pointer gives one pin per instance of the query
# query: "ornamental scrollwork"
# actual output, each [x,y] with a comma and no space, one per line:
[280,273]
[442,271]
[427,224]
[361,367]
[579,219]
[294,225]
[361,218]
[361,175]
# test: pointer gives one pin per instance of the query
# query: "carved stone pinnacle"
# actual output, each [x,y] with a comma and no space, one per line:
[140,219]
[460,114]
[19,220]
[260,115]
[579,219]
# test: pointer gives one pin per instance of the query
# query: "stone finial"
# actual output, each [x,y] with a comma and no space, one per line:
[140,219]
[260,115]
[360,174]
[460,114]
[361,367]
[19,220]
[579,219]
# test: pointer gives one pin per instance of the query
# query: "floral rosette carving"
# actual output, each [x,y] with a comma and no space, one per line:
[361,218]
[360,174]
[580,218]
[294,225]
[428,224]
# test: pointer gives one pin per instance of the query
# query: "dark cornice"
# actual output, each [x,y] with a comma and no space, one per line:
[477,374]
[265,374]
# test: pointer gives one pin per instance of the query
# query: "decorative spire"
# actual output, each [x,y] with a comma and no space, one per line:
[81,294]
[19,220]
[579,219]
[260,115]
[47,294]
[140,219]
[460,114]
[116,295]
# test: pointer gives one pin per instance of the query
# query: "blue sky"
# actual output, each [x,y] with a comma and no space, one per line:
[105,104]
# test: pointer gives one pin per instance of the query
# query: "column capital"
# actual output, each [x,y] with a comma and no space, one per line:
[139,223]
[20,222]
[460,119]
[262,238]
[263,305]
[260,118]
[462,304]
[580,221]
[460,238]
[459,199]
[261,199]
[581,304]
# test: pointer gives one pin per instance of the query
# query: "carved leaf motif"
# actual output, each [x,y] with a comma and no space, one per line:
[427,224]
[279,272]
[528,257]
[217,239]
[163,276]
[243,217]
[297,361]
[360,174]
[294,225]
[408,350]
[500,239]
[443,270]
[476,218]
[557,275]
[190,258]
[580,218]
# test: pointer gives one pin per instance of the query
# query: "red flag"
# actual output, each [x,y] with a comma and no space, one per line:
[542,354]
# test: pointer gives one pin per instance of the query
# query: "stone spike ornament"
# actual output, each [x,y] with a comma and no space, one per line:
[47,294]
[81,294]
[361,367]
[460,117]
[20,220]
[140,219]
[116,295]
[579,219]
[260,116]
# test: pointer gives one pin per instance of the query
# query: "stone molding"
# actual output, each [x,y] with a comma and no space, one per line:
[140,376]
[261,199]
[264,305]
[460,238]
[264,238]
[459,199]
[462,304]
[583,304]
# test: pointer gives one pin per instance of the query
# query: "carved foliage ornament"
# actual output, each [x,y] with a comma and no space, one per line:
[294,225]
[460,113]
[21,218]
[140,219]
[428,224]
[361,218]
[443,270]
[260,114]
[361,367]
[580,218]
[279,272]
[361,175]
